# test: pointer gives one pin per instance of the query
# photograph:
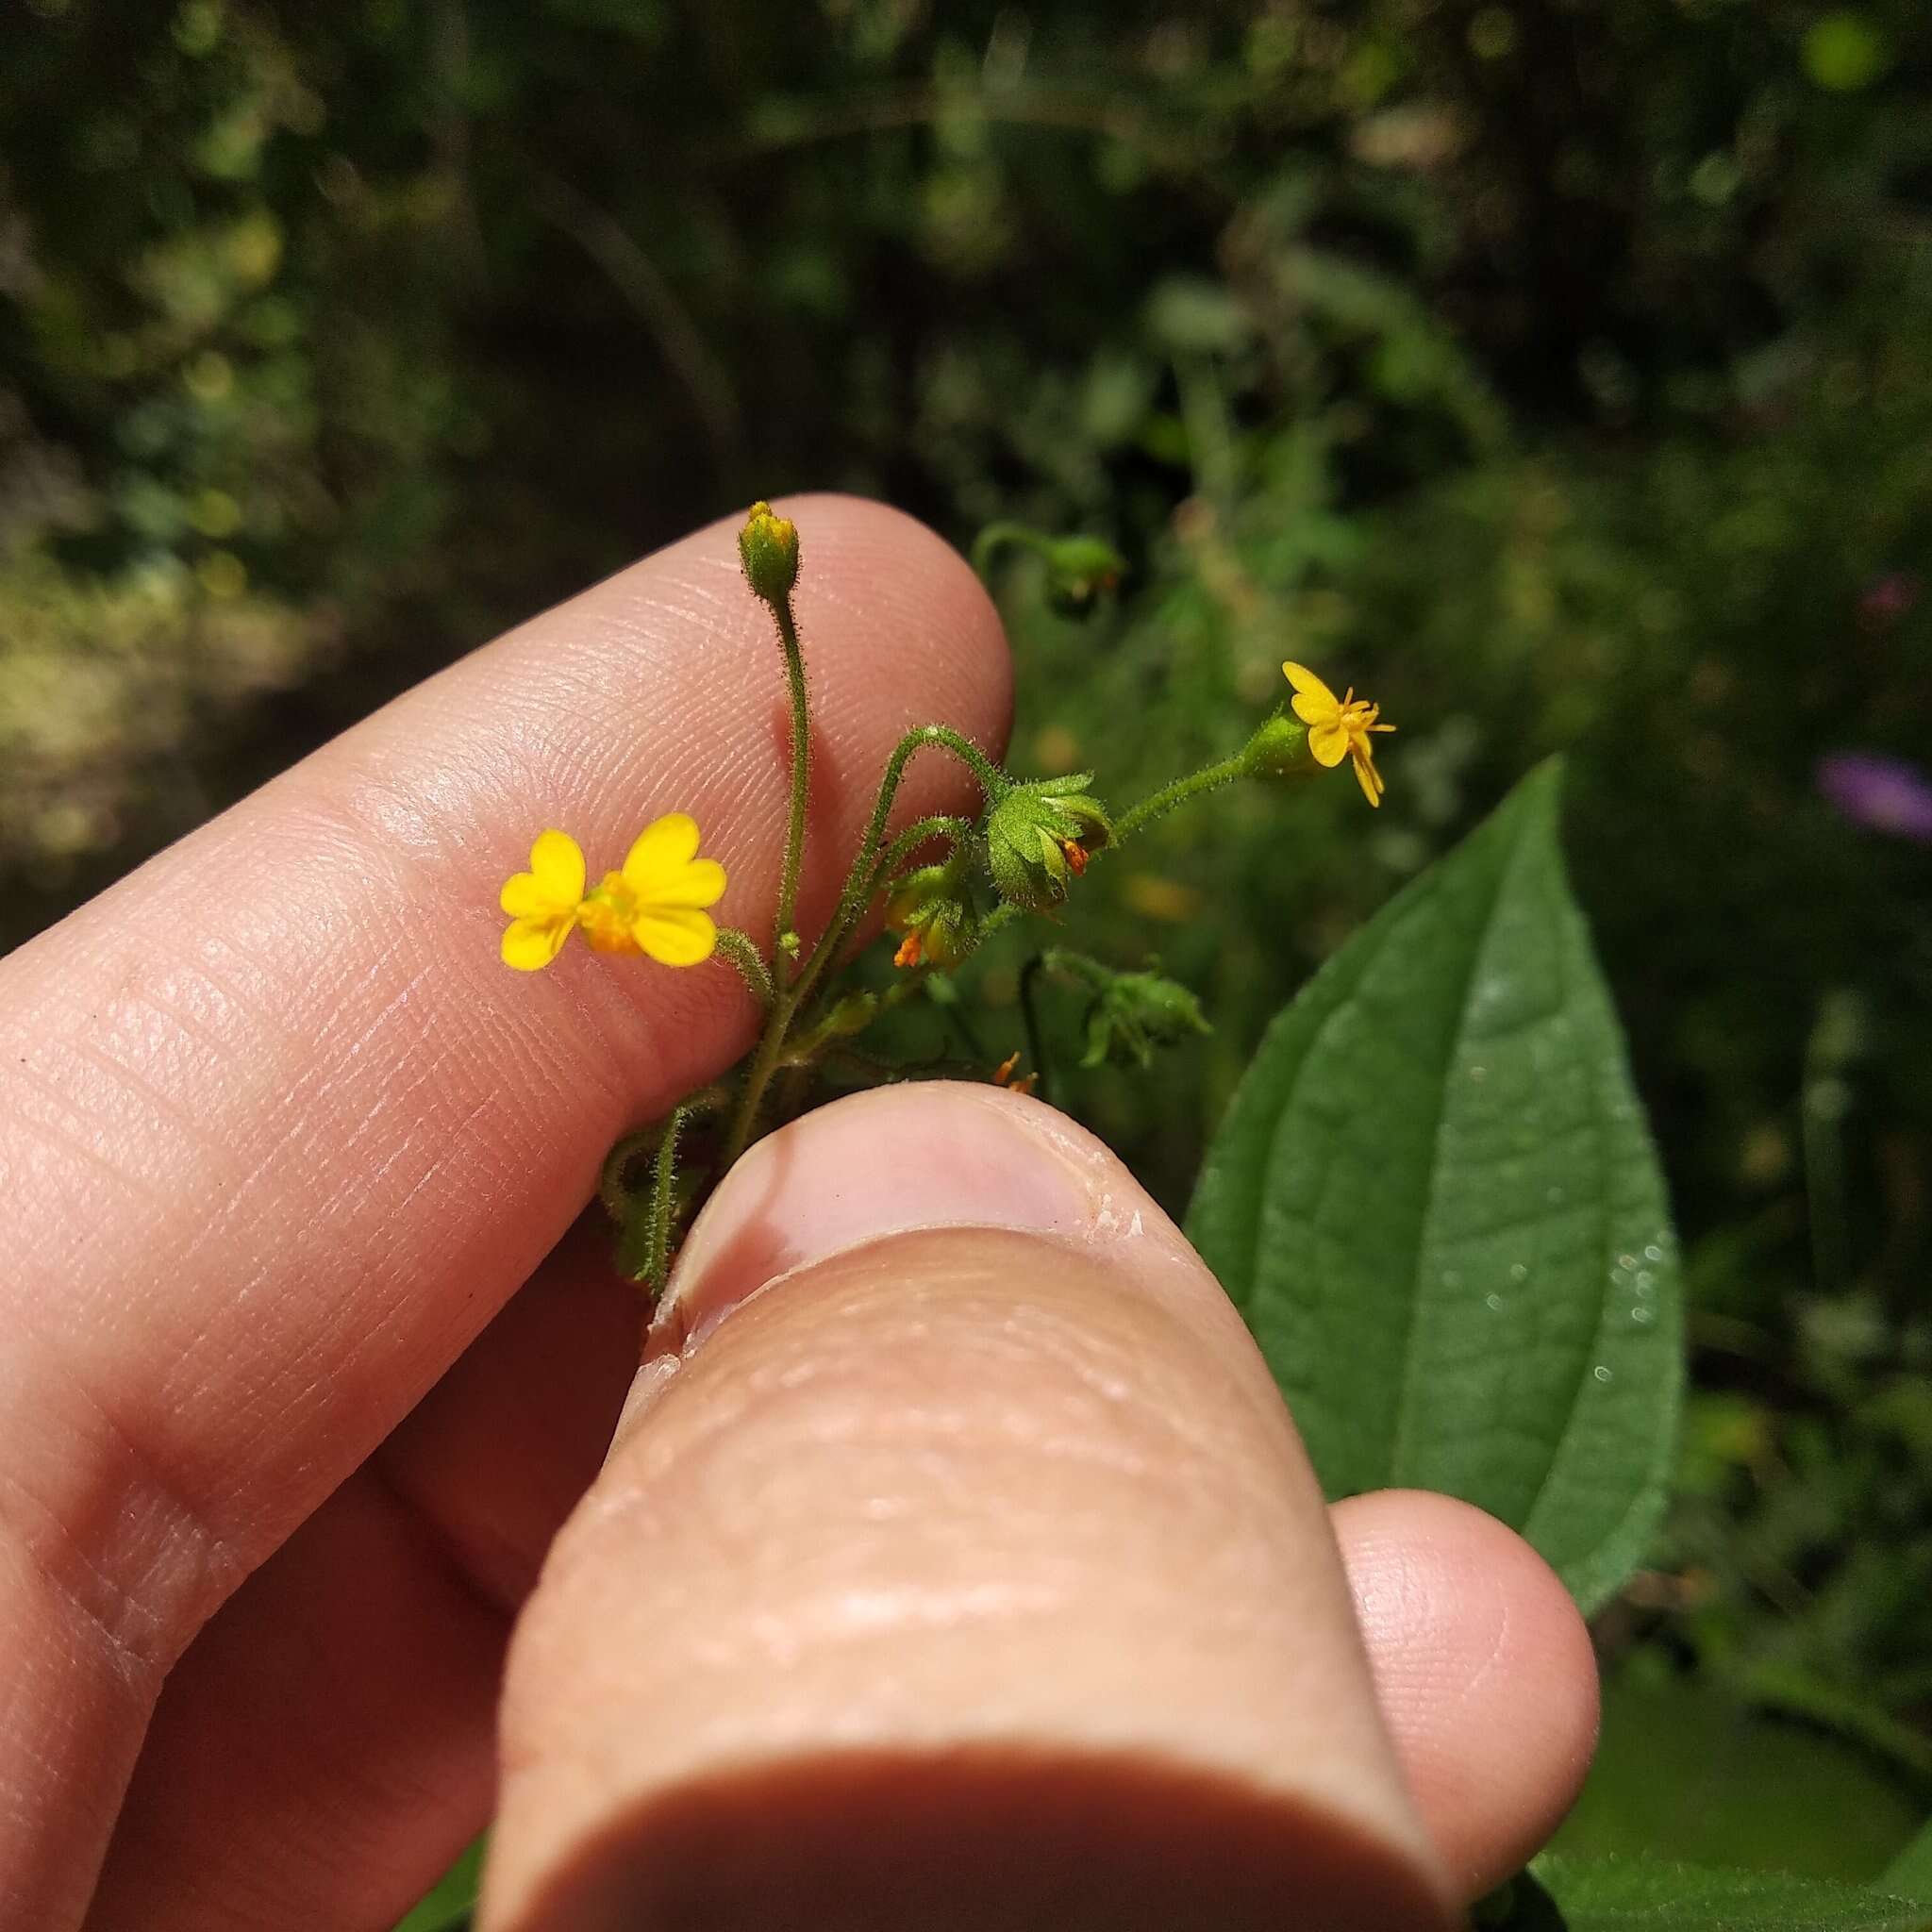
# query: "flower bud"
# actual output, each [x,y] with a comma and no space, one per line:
[1134,1013]
[1039,835]
[1279,750]
[1078,571]
[853,1014]
[769,546]
[931,909]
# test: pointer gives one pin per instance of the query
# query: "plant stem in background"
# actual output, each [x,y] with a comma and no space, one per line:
[997,537]
[1029,1018]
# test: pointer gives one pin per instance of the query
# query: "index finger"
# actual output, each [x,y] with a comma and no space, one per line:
[280,1134]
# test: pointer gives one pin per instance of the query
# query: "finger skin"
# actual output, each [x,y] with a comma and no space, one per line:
[280,1134]
[964,1575]
[326,1745]
[1484,1671]
[275,1789]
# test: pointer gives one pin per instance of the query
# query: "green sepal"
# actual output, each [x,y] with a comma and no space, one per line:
[1028,830]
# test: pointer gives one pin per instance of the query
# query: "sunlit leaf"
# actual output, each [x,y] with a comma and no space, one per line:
[1435,1200]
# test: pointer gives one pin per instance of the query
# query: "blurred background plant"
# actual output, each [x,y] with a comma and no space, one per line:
[1560,373]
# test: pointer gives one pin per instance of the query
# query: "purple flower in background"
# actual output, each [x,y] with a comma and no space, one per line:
[1887,794]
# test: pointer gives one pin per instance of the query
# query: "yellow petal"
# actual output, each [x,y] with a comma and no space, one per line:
[524,897]
[556,864]
[660,848]
[1369,778]
[530,943]
[677,936]
[1307,685]
[1328,742]
[700,883]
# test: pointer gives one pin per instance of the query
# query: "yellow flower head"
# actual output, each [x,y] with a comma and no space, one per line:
[654,905]
[1338,727]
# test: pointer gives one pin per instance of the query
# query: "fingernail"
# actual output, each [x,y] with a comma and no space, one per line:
[890,1162]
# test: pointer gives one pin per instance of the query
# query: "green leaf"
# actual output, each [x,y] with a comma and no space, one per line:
[1682,1771]
[1911,1873]
[1625,1895]
[1435,1200]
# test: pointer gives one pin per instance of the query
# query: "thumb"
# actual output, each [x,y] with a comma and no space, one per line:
[955,1565]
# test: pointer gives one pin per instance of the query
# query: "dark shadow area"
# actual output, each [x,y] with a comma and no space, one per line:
[981,1841]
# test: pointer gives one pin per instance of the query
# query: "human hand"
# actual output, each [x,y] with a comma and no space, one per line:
[307,1366]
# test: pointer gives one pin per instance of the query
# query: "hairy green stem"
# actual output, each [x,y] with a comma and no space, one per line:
[737,948]
[757,1077]
[940,825]
[613,1180]
[664,1199]
[1002,915]
[615,1188]
[860,883]
[800,784]
[1209,778]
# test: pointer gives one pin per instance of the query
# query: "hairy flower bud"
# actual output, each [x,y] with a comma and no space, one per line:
[1078,571]
[1279,749]
[1039,835]
[933,912]
[1134,1013]
[769,546]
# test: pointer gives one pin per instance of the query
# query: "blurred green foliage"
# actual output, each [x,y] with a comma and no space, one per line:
[1558,374]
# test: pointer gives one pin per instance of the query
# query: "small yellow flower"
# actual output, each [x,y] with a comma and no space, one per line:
[543,902]
[1338,727]
[655,904]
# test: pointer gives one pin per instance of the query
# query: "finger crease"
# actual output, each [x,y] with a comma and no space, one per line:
[458,1558]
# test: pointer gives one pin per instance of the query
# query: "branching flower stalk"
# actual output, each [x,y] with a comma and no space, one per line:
[942,887]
